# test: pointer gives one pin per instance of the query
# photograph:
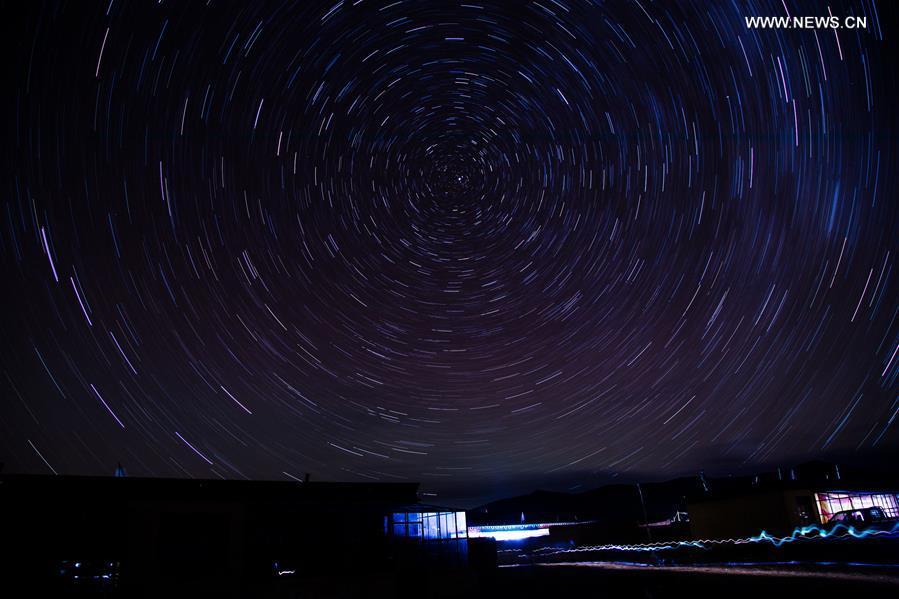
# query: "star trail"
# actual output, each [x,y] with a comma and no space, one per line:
[464,243]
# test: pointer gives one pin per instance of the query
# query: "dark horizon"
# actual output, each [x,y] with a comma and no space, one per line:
[478,493]
[488,247]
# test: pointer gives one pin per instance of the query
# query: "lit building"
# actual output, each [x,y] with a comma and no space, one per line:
[781,508]
[515,532]
[426,523]
[439,533]
[150,536]
[833,502]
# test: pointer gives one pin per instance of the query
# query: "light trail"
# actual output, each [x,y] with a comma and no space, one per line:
[803,533]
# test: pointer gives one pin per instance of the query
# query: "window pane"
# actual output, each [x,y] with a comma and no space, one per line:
[430,525]
[461,526]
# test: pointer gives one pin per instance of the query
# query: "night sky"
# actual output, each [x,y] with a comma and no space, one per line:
[486,246]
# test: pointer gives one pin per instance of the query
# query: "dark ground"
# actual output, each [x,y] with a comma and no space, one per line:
[639,581]
[581,580]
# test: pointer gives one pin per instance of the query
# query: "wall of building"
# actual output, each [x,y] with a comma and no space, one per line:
[776,512]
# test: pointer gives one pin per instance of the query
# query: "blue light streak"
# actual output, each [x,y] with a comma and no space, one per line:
[802,533]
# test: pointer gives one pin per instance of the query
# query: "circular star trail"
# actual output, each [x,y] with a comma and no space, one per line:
[467,244]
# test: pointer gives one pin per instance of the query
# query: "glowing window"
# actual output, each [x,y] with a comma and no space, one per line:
[429,525]
[832,503]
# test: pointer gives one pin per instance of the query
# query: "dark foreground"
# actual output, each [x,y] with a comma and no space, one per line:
[129,537]
[614,580]
[596,579]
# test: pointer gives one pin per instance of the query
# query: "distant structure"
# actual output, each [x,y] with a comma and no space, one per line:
[816,493]
[812,494]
